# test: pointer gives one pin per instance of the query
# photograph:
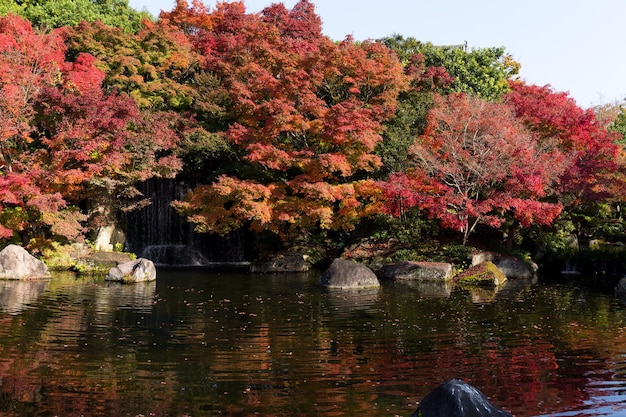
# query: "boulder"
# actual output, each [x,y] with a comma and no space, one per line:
[343,273]
[419,271]
[621,287]
[282,262]
[513,268]
[485,274]
[100,262]
[17,263]
[139,270]
[456,398]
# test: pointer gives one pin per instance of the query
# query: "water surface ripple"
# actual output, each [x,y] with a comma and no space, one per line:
[205,344]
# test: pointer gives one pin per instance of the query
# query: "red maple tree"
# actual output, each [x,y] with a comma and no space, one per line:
[556,119]
[476,163]
[64,139]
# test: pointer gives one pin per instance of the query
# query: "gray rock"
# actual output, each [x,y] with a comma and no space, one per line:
[456,398]
[420,271]
[621,287]
[139,270]
[344,273]
[17,263]
[282,262]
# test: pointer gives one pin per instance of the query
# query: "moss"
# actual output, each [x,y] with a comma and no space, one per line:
[80,259]
[484,274]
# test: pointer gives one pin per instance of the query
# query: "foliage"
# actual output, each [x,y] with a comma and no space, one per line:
[556,119]
[64,140]
[308,116]
[59,13]
[618,124]
[159,69]
[596,174]
[409,121]
[477,164]
[483,72]
[154,66]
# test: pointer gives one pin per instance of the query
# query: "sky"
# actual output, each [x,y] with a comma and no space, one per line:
[576,46]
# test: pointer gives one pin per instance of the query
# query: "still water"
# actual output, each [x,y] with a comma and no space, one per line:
[208,344]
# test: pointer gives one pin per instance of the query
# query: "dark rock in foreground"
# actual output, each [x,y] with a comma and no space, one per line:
[17,263]
[343,273]
[456,398]
[140,270]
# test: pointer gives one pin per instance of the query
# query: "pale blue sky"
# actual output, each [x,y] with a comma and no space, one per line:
[576,46]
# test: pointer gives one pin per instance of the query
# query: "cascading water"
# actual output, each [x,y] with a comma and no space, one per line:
[158,233]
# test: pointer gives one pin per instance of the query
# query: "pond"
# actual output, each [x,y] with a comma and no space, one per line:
[206,344]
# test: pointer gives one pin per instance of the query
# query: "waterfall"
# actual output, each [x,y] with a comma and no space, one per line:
[158,233]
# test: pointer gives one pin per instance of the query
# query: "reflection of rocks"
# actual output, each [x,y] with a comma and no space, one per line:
[17,263]
[456,398]
[514,287]
[431,289]
[343,273]
[140,270]
[482,295]
[15,295]
[349,301]
[138,297]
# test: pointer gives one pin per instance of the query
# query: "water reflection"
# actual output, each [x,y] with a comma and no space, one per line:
[206,344]
[16,295]
[351,300]
[138,296]
[429,288]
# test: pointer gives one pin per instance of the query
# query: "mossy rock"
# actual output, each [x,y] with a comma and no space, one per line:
[83,260]
[486,274]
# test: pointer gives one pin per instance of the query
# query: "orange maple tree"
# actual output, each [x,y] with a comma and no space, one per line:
[308,114]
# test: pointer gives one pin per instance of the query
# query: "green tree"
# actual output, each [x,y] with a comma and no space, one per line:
[483,72]
[58,13]
[619,125]
[409,121]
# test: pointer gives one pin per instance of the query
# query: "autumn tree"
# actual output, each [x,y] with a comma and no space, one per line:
[98,145]
[595,178]
[65,140]
[160,70]
[476,163]
[155,66]
[307,118]
[555,117]
[29,63]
